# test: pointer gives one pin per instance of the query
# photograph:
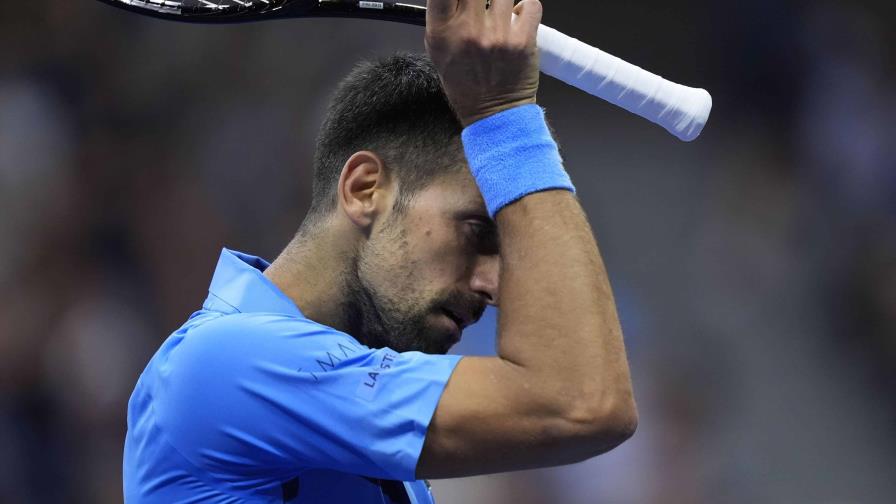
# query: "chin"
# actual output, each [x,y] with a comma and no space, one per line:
[434,338]
[436,344]
[441,351]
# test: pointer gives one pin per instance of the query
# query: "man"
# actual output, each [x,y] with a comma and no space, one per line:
[321,378]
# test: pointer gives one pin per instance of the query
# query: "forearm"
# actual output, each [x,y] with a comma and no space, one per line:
[558,319]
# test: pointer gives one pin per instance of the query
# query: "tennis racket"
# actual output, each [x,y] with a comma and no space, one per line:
[681,110]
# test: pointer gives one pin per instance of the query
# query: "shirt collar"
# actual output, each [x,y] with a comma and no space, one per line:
[238,286]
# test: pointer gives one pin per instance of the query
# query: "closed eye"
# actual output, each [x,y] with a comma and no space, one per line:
[484,235]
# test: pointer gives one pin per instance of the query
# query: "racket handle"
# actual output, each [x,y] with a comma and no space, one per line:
[681,110]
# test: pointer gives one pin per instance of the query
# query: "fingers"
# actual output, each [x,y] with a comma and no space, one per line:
[500,9]
[439,11]
[527,18]
[520,20]
[445,8]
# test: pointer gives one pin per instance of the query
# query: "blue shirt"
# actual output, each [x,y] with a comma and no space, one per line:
[251,402]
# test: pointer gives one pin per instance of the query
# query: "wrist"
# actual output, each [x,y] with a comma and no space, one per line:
[470,117]
[512,154]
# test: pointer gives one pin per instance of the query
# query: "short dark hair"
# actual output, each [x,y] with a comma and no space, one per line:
[395,107]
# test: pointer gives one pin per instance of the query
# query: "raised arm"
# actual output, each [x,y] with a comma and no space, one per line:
[559,391]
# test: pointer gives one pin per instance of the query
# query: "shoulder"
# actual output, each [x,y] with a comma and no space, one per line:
[240,330]
[221,364]
[253,341]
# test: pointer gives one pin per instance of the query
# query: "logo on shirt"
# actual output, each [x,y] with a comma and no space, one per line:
[328,363]
[371,376]
[368,387]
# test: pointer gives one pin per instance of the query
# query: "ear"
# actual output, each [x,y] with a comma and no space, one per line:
[365,190]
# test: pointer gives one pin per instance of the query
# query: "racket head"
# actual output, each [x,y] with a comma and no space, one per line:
[244,11]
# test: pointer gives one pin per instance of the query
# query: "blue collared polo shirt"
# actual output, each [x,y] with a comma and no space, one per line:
[251,402]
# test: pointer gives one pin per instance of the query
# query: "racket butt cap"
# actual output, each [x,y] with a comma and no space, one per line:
[699,107]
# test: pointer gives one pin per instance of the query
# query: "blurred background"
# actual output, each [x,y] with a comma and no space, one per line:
[755,268]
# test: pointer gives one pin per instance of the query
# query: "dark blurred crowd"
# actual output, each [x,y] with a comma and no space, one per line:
[755,269]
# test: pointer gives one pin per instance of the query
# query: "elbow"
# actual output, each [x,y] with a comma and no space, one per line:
[615,425]
[624,415]
[602,429]
[621,424]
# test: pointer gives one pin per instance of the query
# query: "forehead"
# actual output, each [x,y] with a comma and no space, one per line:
[454,192]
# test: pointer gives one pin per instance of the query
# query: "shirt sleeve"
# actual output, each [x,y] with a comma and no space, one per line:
[256,398]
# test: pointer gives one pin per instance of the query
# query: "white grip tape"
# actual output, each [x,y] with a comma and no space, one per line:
[680,109]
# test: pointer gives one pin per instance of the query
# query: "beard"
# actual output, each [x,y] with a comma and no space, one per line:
[380,320]
[388,311]
[385,305]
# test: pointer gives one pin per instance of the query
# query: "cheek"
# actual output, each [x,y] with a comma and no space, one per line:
[442,253]
[426,255]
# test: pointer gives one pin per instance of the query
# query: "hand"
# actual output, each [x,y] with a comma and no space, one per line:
[487,58]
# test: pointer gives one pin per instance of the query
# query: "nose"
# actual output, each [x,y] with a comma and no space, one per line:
[485,277]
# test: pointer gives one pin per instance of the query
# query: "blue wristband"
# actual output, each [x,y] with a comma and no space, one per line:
[512,154]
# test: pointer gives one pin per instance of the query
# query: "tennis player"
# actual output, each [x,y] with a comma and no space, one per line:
[322,378]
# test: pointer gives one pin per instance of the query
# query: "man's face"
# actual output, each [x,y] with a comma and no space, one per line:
[428,272]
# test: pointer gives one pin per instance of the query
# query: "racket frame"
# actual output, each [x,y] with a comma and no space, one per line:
[247,11]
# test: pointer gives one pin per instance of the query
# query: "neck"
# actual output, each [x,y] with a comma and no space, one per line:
[312,272]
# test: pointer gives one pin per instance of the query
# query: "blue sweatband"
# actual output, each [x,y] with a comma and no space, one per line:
[512,154]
